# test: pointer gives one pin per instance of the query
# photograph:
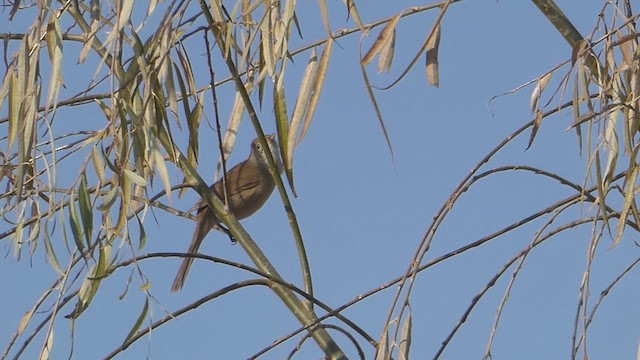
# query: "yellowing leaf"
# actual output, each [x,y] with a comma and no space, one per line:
[25,321]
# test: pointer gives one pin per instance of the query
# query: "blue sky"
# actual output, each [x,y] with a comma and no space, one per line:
[362,219]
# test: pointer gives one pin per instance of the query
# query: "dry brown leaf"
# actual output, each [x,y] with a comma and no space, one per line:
[537,92]
[433,72]
[386,36]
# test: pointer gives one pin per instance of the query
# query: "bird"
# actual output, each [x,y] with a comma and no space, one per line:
[249,186]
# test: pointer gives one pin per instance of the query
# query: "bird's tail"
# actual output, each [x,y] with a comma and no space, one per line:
[205,222]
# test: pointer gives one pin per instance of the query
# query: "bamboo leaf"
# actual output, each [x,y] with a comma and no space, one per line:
[92,282]
[325,16]
[98,164]
[299,110]
[630,193]
[282,124]
[26,318]
[86,210]
[317,90]
[48,345]
[75,222]
[139,321]
[51,254]
[109,199]
[383,348]
[384,41]
[611,141]
[433,47]
[536,125]
[161,167]
[135,178]
[405,338]
[16,95]
[267,52]
[355,15]
[53,38]
[143,235]
[541,85]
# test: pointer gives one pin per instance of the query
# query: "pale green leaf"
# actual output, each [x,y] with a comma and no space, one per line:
[317,90]
[405,338]
[98,164]
[51,254]
[135,178]
[24,322]
[161,167]
[54,41]
[382,352]
[109,199]
[299,110]
[48,346]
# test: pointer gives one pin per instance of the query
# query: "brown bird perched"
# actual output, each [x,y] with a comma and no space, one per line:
[249,185]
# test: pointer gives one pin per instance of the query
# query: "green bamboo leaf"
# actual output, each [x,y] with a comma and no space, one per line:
[109,199]
[267,51]
[139,321]
[103,261]
[282,124]
[92,282]
[111,166]
[629,195]
[74,222]
[86,210]
[143,235]
[628,203]
[98,164]
[34,228]
[51,254]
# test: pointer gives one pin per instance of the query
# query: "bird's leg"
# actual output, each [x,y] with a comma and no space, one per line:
[223,229]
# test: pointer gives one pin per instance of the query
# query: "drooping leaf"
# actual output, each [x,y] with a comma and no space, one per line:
[86,210]
[139,321]
[386,36]
[433,47]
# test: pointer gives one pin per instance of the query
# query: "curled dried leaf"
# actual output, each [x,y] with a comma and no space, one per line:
[537,91]
[433,46]
[384,40]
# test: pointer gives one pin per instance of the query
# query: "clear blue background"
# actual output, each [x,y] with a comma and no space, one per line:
[362,219]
